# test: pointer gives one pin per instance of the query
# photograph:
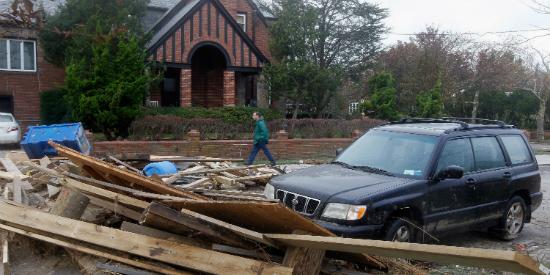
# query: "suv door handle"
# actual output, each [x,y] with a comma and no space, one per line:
[507,175]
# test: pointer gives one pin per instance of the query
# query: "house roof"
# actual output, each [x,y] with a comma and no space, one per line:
[169,22]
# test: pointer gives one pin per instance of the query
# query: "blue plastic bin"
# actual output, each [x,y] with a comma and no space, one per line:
[35,141]
[161,168]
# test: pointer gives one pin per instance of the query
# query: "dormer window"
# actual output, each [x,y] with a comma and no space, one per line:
[241,20]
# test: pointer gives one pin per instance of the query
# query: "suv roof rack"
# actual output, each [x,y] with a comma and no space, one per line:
[483,123]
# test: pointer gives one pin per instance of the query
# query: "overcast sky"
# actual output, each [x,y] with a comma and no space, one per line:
[479,16]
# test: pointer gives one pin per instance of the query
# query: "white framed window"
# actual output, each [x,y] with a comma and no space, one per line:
[17,55]
[353,107]
[241,20]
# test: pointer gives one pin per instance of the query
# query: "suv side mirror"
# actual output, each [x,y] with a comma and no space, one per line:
[451,172]
[339,151]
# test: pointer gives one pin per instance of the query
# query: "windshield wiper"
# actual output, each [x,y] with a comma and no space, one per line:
[374,170]
[349,166]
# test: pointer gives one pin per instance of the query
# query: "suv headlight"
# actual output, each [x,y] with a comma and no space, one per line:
[269,191]
[344,211]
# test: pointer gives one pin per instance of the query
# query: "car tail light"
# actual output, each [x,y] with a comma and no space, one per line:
[13,128]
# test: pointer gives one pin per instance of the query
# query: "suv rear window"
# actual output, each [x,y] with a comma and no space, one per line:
[488,154]
[517,149]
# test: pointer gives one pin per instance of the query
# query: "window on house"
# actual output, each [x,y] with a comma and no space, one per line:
[17,55]
[353,107]
[241,20]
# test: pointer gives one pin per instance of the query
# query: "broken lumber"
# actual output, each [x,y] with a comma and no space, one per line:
[70,204]
[163,217]
[104,194]
[175,177]
[80,247]
[128,166]
[105,171]
[195,258]
[477,257]
[117,209]
[155,233]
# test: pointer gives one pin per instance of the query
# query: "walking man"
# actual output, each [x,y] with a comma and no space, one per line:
[261,138]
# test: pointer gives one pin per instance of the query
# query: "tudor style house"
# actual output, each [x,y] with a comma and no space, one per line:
[213,52]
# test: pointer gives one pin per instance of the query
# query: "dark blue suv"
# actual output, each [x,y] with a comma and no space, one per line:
[415,176]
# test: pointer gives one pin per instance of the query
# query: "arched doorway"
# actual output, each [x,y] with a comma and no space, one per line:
[207,66]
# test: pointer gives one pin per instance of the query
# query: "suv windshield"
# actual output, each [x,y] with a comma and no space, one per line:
[401,154]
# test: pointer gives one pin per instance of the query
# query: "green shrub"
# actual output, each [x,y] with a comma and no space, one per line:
[172,127]
[226,114]
[53,107]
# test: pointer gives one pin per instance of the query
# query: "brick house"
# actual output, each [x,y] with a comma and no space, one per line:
[23,71]
[213,52]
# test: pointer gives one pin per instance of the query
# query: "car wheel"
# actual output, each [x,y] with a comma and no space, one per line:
[513,219]
[400,230]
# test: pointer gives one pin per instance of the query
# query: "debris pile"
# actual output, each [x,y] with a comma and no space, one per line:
[210,217]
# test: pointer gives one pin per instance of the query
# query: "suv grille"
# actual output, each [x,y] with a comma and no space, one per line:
[297,202]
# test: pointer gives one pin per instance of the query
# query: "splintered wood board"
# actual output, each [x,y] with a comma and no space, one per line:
[183,255]
[107,172]
[263,217]
[486,258]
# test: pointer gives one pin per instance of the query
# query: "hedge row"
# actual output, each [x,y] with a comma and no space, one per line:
[226,114]
[172,127]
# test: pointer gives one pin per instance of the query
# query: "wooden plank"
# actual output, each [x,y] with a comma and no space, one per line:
[196,183]
[5,255]
[254,178]
[175,177]
[303,260]
[103,168]
[81,247]
[155,233]
[5,243]
[128,166]
[163,217]
[223,226]
[118,209]
[52,190]
[165,251]
[10,176]
[104,194]
[263,217]
[485,258]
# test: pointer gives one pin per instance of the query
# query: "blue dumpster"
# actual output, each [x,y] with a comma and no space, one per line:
[35,141]
[161,168]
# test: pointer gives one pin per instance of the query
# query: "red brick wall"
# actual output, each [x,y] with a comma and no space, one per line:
[25,87]
[281,149]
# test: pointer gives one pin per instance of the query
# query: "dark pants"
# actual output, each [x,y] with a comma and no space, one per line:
[255,149]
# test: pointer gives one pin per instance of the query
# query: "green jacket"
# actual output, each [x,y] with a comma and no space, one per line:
[261,134]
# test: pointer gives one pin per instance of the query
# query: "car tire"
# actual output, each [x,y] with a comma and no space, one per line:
[400,230]
[513,219]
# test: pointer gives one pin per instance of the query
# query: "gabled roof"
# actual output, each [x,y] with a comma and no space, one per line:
[176,16]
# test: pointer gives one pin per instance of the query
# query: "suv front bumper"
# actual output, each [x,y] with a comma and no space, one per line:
[353,231]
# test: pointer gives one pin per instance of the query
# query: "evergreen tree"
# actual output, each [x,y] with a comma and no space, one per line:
[429,103]
[382,102]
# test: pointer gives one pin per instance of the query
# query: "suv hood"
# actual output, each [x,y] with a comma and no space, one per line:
[328,180]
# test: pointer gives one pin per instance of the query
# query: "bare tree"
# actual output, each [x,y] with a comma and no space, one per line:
[538,83]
